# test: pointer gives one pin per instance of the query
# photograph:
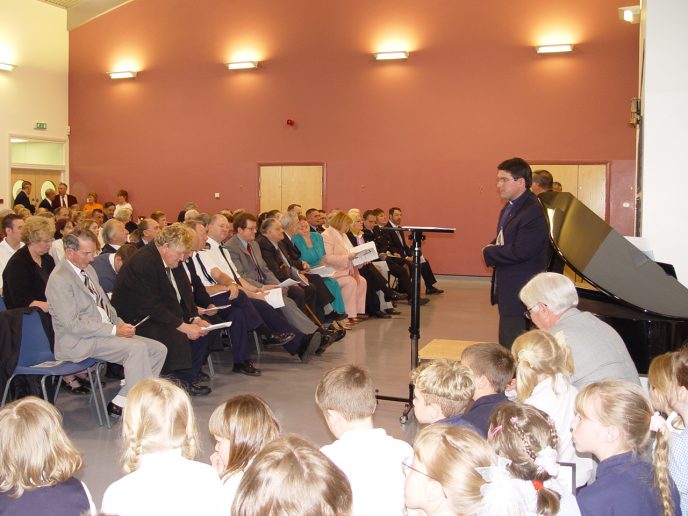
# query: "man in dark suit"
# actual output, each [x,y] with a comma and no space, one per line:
[23,197]
[398,246]
[149,229]
[63,198]
[107,265]
[314,220]
[152,284]
[114,236]
[47,203]
[521,248]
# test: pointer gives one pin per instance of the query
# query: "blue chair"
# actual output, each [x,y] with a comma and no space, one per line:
[2,304]
[36,358]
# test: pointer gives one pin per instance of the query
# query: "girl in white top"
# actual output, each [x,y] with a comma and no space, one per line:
[544,366]
[242,426]
[525,439]
[122,202]
[160,443]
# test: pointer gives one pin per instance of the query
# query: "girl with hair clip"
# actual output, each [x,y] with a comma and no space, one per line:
[160,442]
[678,401]
[614,422]
[543,368]
[38,462]
[443,477]
[525,478]
[291,476]
[660,379]
[242,426]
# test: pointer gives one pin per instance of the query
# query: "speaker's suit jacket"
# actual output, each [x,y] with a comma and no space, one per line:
[525,253]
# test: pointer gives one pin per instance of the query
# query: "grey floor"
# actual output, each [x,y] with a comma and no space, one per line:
[382,346]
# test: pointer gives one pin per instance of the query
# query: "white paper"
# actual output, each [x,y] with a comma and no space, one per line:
[49,363]
[217,326]
[274,298]
[288,283]
[365,253]
[206,310]
[323,271]
[381,266]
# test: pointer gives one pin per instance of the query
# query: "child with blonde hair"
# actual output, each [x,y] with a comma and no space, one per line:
[614,422]
[443,390]
[290,476]
[242,426]
[525,440]
[660,379]
[443,477]
[678,401]
[38,462]
[369,457]
[160,444]
[544,366]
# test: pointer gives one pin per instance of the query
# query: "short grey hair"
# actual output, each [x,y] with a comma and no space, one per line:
[287,220]
[71,240]
[268,224]
[554,290]
[109,229]
[123,215]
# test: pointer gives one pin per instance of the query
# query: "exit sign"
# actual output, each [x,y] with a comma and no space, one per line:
[41,126]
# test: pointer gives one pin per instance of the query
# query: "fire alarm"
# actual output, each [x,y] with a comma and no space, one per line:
[290,122]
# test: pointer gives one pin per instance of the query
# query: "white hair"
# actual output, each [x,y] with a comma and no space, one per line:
[549,288]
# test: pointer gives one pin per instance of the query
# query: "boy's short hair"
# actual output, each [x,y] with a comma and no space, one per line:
[349,390]
[446,383]
[491,360]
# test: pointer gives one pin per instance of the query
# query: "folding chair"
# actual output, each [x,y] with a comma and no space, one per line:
[36,358]
[2,304]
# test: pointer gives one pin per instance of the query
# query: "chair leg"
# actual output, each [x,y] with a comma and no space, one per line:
[102,396]
[45,392]
[256,340]
[211,369]
[57,389]
[94,396]
[7,390]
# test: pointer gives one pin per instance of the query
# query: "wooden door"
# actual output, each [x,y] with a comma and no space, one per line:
[282,185]
[588,183]
[40,179]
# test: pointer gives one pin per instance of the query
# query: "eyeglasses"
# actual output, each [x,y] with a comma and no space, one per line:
[527,314]
[504,179]
[406,466]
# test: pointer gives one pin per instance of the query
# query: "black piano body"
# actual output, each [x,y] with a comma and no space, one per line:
[634,294]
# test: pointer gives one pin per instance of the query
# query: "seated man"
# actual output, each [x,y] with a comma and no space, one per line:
[542,182]
[114,235]
[443,389]
[149,229]
[493,367]
[107,265]
[397,245]
[11,227]
[598,351]
[86,324]
[153,291]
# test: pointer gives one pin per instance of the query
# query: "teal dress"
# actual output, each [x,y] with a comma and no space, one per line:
[313,256]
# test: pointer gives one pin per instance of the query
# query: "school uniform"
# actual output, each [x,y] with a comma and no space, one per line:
[481,411]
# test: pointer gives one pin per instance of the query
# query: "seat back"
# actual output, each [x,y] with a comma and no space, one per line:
[2,304]
[35,346]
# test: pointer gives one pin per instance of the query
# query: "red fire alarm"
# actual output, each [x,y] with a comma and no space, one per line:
[290,122]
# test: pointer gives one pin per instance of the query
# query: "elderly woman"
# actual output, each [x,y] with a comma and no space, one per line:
[338,255]
[598,351]
[312,250]
[62,227]
[124,216]
[27,272]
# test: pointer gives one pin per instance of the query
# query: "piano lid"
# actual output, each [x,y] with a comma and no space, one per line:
[610,262]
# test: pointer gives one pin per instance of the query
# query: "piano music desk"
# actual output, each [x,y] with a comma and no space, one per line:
[444,348]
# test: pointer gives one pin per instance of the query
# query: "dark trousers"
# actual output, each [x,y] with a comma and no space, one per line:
[510,327]
[244,318]
[322,294]
[276,321]
[401,273]
[374,282]
[199,350]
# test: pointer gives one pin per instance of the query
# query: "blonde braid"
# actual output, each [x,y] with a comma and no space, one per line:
[661,462]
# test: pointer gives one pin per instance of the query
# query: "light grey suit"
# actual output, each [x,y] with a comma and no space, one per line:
[247,270]
[80,332]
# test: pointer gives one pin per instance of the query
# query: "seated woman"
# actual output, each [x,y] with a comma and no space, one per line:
[160,445]
[94,228]
[291,476]
[39,462]
[92,202]
[598,351]
[338,255]
[312,249]
[443,477]
[62,227]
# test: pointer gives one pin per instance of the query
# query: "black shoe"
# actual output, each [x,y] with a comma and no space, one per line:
[337,335]
[114,410]
[277,339]
[392,295]
[381,315]
[246,368]
[202,377]
[195,389]
[392,311]
[75,387]
[309,347]
[335,316]
[433,290]
[363,317]
[421,301]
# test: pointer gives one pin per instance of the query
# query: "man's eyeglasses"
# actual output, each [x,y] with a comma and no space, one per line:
[504,179]
[406,466]
[528,313]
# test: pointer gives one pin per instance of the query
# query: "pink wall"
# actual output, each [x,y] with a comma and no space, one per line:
[425,134]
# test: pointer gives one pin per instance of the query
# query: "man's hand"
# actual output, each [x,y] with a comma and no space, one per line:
[125,330]
[208,310]
[191,330]
[233,291]
[43,305]
[305,266]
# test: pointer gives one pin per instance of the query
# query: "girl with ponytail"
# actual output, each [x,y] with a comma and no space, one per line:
[543,369]
[614,422]
[677,398]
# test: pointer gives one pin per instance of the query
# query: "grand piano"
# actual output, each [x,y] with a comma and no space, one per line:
[638,297]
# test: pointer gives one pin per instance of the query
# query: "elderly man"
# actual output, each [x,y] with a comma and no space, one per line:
[86,324]
[149,229]
[542,182]
[47,203]
[598,351]
[107,265]
[153,291]
[114,235]
[63,199]
[23,197]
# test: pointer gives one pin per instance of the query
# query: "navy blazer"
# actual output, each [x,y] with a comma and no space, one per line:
[524,254]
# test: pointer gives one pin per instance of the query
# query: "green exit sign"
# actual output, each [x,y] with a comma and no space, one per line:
[41,125]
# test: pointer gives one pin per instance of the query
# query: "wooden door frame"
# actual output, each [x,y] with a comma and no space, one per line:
[64,170]
[291,164]
[607,177]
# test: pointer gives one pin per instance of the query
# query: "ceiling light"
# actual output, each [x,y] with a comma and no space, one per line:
[630,14]
[242,65]
[388,56]
[123,75]
[553,49]
[6,67]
